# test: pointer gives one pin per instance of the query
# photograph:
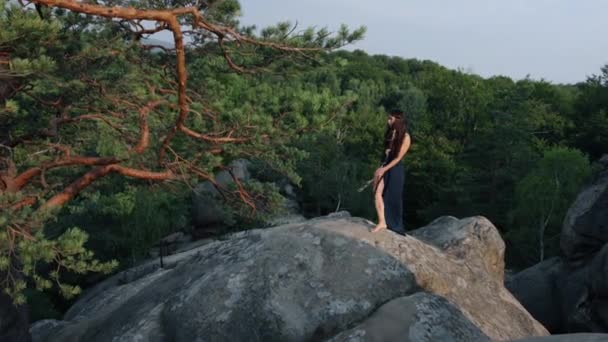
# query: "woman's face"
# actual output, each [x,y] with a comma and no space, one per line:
[390,121]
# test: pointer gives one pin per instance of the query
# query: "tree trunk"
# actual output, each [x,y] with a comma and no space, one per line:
[541,239]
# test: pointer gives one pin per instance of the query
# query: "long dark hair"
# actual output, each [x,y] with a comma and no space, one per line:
[395,134]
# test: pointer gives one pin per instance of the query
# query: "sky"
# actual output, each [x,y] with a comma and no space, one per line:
[561,41]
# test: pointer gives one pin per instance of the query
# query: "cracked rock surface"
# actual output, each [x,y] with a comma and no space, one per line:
[323,279]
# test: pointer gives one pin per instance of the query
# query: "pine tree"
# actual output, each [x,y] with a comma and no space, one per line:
[84,97]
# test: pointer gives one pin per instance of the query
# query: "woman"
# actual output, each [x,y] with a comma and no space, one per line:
[389,178]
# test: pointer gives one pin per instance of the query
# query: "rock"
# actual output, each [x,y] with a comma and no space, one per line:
[562,298]
[570,294]
[206,205]
[208,214]
[175,238]
[535,288]
[585,228]
[286,219]
[509,274]
[421,317]
[591,310]
[240,169]
[311,281]
[465,239]
[286,188]
[571,287]
[342,214]
[170,244]
[289,191]
[192,245]
[598,273]
[41,329]
[604,161]
[290,213]
[568,338]
[557,295]
[292,205]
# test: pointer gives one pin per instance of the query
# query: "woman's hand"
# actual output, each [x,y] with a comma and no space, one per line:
[379,173]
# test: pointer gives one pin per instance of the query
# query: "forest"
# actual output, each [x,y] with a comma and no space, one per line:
[104,135]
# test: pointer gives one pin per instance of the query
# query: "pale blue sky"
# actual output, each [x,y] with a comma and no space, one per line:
[562,41]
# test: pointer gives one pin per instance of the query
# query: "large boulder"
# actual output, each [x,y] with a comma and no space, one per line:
[585,228]
[206,202]
[291,212]
[208,212]
[534,286]
[315,280]
[581,337]
[463,240]
[39,330]
[421,317]
[570,293]
[591,310]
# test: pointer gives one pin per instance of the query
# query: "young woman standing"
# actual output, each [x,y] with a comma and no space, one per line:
[389,178]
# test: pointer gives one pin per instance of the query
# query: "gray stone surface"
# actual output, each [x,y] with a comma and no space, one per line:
[463,239]
[534,286]
[206,207]
[590,313]
[570,294]
[421,317]
[41,329]
[585,228]
[307,281]
[582,337]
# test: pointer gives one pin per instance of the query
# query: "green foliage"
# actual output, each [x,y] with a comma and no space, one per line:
[24,26]
[542,198]
[78,86]
[267,200]
[310,38]
[64,253]
[590,130]
[108,142]
[41,305]
[474,140]
[126,219]
[332,176]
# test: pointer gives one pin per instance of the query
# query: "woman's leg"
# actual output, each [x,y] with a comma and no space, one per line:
[379,206]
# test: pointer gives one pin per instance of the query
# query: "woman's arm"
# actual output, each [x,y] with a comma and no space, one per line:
[402,151]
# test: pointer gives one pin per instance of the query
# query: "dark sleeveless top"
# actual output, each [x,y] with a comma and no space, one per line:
[387,158]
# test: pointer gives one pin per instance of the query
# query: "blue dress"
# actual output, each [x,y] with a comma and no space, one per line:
[394,179]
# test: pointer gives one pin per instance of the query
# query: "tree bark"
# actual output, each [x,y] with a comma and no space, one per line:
[541,239]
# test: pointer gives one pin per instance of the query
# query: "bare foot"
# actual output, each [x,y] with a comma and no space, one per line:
[378,228]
